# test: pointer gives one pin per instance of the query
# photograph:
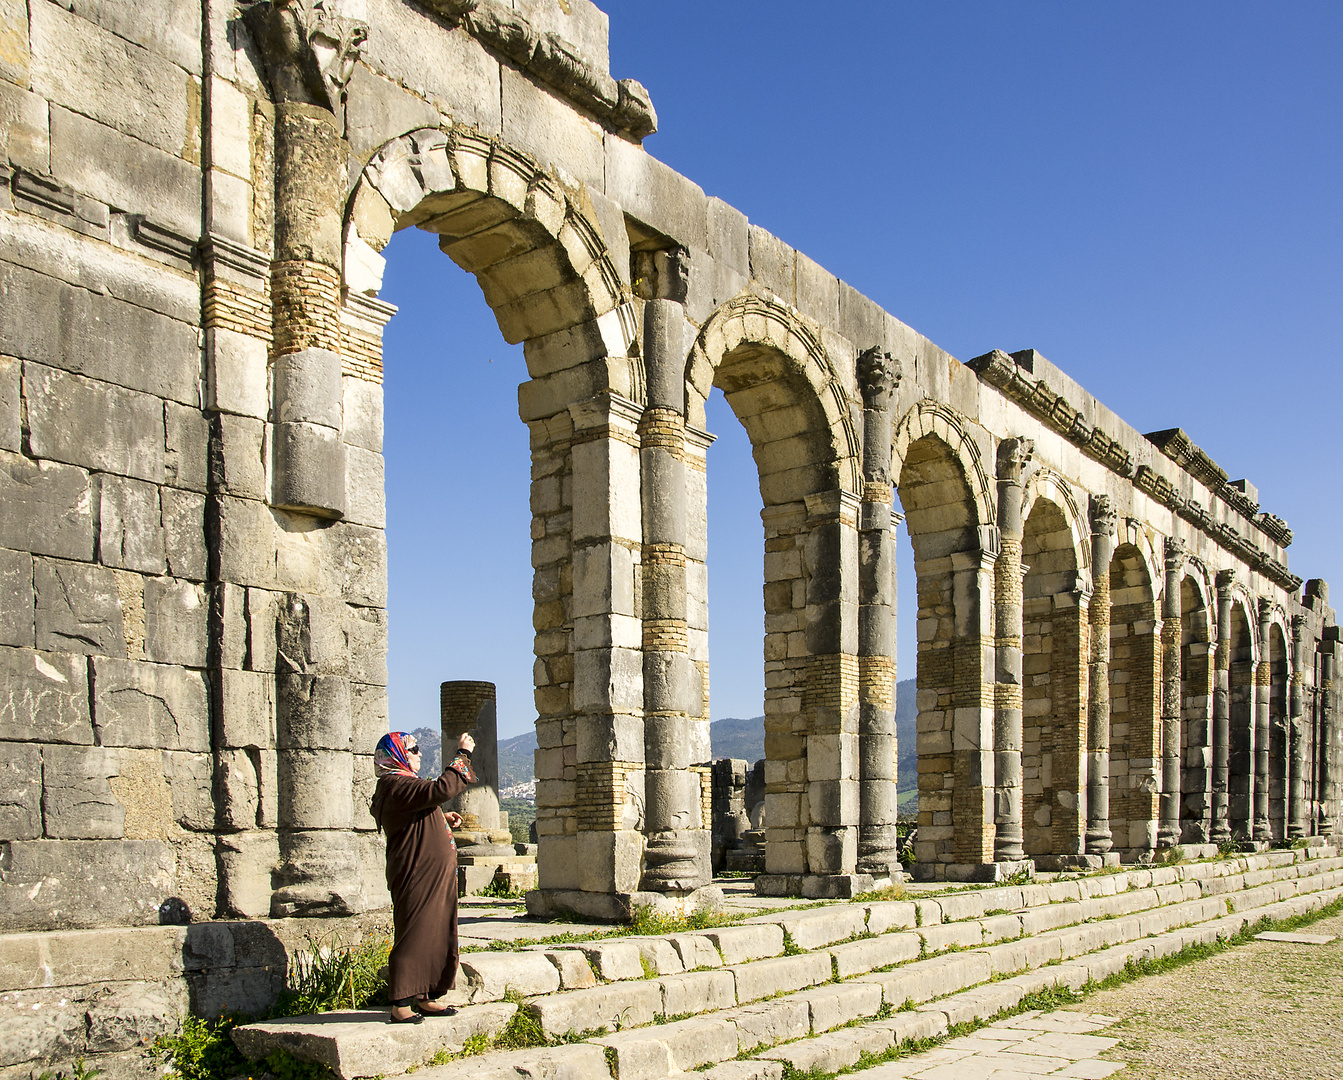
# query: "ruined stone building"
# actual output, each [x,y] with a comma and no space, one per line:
[1113,656]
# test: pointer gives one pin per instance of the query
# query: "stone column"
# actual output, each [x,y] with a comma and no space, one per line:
[1328,724]
[878,376]
[1298,823]
[972,796]
[1263,692]
[1013,456]
[677,850]
[1168,834]
[1221,712]
[309,56]
[1103,520]
[470,706]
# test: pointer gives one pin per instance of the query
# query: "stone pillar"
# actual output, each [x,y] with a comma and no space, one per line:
[1221,712]
[878,847]
[830,695]
[470,706]
[1103,520]
[972,728]
[1168,834]
[1013,455]
[1263,692]
[309,56]
[677,850]
[1328,725]
[1297,810]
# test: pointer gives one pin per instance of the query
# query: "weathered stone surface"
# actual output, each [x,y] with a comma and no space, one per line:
[248,709]
[240,466]
[125,172]
[489,975]
[94,424]
[14,50]
[44,697]
[184,533]
[698,991]
[309,468]
[549,129]
[626,1003]
[751,942]
[316,712]
[350,1045]
[150,705]
[130,533]
[24,138]
[175,622]
[78,608]
[314,787]
[378,111]
[77,801]
[85,68]
[16,598]
[782,973]
[771,1022]
[365,501]
[20,791]
[86,883]
[45,508]
[135,1015]
[101,336]
[186,447]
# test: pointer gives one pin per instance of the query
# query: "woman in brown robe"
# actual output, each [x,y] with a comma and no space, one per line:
[421,872]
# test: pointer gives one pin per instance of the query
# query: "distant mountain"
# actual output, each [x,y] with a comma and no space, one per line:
[517,762]
[745,739]
[730,738]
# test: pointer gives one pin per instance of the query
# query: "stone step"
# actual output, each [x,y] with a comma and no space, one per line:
[797,975]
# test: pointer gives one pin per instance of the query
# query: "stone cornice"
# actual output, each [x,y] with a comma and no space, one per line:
[624,105]
[1002,371]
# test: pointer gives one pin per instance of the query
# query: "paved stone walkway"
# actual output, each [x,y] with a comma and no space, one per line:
[1033,1044]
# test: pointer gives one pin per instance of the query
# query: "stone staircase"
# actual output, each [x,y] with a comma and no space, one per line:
[811,986]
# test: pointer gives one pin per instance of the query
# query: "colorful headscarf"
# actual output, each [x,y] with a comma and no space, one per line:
[391,758]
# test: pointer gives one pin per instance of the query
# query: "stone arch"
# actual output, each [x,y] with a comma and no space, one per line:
[1240,756]
[1135,728]
[1048,485]
[531,241]
[931,418]
[533,244]
[785,389]
[1054,666]
[944,491]
[1196,693]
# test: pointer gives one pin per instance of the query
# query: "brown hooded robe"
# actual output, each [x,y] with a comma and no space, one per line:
[422,878]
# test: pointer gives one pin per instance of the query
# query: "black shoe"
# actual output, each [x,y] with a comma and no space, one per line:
[413,1018]
[447,1010]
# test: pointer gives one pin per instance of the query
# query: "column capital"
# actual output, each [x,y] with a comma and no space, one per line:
[878,377]
[309,52]
[1104,517]
[1226,579]
[1176,551]
[1014,455]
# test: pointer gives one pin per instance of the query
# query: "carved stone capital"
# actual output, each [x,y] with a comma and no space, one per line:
[1104,517]
[1175,554]
[1265,609]
[1298,627]
[878,376]
[309,51]
[1225,580]
[1013,457]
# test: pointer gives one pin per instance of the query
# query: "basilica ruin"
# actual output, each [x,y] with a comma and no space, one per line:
[1114,658]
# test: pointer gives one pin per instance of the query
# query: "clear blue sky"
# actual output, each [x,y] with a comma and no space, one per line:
[1146,193]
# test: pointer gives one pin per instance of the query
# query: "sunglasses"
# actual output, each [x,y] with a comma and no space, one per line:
[412,750]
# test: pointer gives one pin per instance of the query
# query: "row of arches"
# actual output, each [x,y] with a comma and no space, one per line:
[617,391]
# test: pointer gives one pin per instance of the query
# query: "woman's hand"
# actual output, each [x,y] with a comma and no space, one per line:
[465,742]
[454,819]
